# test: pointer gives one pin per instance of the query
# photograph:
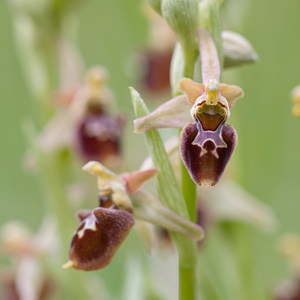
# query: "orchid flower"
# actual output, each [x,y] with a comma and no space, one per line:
[121,200]
[87,125]
[28,279]
[207,143]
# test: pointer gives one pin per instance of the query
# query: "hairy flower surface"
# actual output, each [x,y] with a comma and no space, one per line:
[207,143]
[98,238]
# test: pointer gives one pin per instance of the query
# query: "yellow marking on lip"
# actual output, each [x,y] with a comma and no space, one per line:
[212,97]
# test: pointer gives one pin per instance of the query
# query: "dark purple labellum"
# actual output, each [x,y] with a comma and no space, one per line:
[206,153]
[98,138]
[98,238]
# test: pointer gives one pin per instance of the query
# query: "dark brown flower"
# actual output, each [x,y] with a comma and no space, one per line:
[156,70]
[98,237]
[99,137]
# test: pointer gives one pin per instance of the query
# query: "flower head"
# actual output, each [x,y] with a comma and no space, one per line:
[207,143]
[121,200]
[86,123]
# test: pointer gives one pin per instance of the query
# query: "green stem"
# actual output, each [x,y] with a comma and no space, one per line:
[188,261]
[170,195]
[187,270]
[189,193]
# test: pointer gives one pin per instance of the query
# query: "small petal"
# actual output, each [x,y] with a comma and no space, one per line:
[209,56]
[191,88]
[171,114]
[148,208]
[206,153]
[135,180]
[98,238]
[231,92]
[103,173]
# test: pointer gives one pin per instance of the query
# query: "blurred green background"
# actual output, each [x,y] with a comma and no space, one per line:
[266,161]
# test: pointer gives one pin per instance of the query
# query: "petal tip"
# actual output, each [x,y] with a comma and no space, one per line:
[90,166]
[68,265]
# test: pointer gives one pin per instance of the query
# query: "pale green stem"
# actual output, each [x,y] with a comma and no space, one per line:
[170,195]
[189,193]
[187,268]
[188,261]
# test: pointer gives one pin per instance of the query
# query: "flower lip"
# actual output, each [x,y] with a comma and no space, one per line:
[206,153]
[98,238]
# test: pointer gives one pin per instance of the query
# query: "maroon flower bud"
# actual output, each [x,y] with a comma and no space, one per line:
[206,153]
[99,137]
[98,238]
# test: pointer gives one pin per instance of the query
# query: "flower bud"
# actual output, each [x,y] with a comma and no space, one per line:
[182,16]
[237,50]
[206,153]
[98,238]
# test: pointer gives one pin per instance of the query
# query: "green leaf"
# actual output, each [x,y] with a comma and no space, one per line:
[167,186]
[170,195]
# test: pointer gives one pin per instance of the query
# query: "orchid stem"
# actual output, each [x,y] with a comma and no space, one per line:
[187,282]
[187,257]
[189,193]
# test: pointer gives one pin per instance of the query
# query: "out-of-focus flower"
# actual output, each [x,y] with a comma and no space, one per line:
[86,124]
[154,62]
[103,230]
[290,289]
[207,143]
[296,101]
[28,281]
